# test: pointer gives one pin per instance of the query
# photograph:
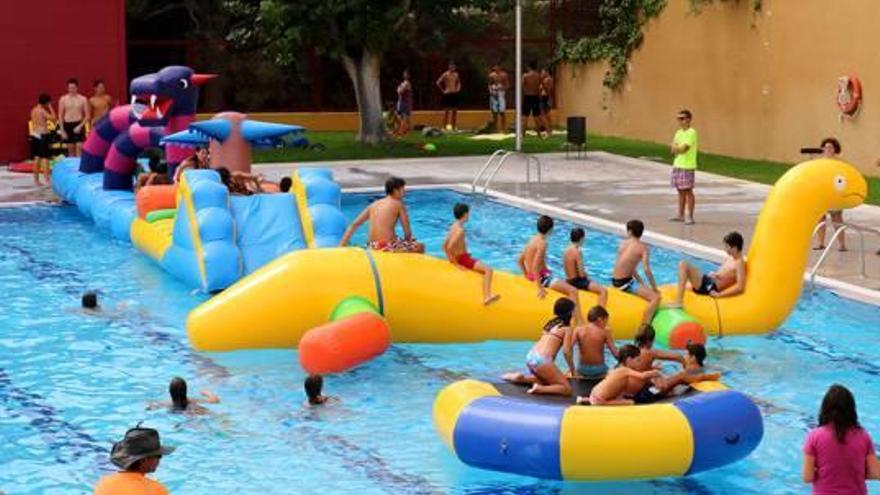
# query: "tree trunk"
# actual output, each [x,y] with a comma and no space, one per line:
[364,74]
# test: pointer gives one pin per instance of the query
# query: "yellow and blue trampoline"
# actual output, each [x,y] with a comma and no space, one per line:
[496,426]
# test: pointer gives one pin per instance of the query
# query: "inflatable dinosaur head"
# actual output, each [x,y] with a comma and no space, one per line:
[171,92]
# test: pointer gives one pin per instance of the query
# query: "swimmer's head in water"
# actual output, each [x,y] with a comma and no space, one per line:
[628,353]
[645,336]
[313,385]
[545,224]
[285,184]
[177,390]
[90,300]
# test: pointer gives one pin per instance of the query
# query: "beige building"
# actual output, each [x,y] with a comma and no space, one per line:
[761,85]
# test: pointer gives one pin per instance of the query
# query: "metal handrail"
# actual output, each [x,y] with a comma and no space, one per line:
[858,229]
[529,157]
[485,166]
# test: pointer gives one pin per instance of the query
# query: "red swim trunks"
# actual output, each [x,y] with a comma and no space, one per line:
[465,260]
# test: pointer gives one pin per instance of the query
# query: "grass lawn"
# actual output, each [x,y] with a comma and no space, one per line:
[342,146]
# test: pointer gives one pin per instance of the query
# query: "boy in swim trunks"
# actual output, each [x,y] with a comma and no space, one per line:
[625,276]
[729,280]
[610,391]
[73,113]
[533,263]
[455,247]
[591,340]
[383,216]
[658,388]
[644,340]
[575,271]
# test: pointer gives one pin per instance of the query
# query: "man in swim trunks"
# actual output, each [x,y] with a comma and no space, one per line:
[610,391]
[531,102]
[455,247]
[575,271]
[625,276]
[546,94]
[729,280]
[100,102]
[450,85]
[73,113]
[533,263]
[498,84]
[591,340]
[41,142]
[137,455]
[383,216]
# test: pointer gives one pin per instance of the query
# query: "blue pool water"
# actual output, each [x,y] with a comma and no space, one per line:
[70,384]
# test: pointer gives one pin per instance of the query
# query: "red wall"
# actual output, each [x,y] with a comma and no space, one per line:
[45,42]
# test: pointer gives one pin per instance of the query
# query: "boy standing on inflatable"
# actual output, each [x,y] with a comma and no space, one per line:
[625,276]
[456,251]
[383,216]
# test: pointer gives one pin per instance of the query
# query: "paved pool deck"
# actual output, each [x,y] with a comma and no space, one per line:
[608,187]
[617,189]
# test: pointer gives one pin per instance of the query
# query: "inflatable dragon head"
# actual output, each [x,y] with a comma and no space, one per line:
[170,92]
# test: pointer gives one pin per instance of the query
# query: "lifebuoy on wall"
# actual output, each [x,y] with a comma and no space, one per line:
[849,95]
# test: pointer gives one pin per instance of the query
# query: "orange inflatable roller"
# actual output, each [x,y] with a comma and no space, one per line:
[343,344]
[158,197]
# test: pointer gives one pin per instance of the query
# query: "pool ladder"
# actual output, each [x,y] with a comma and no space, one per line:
[842,227]
[493,165]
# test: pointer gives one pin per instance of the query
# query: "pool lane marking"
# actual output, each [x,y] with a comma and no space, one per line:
[377,282]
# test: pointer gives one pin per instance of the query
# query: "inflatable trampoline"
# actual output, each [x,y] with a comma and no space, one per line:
[499,427]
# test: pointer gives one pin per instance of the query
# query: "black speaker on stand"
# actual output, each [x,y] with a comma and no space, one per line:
[576,136]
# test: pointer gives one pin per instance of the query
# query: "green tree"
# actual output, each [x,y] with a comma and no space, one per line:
[357,33]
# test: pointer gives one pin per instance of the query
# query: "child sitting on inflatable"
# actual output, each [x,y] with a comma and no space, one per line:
[661,386]
[533,263]
[546,378]
[591,340]
[625,276]
[455,247]
[610,391]
[644,340]
[575,272]
[383,216]
[729,280]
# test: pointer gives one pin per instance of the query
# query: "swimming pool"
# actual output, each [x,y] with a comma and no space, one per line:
[70,384]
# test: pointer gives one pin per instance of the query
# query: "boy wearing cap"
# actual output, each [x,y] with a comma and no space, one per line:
[137,455]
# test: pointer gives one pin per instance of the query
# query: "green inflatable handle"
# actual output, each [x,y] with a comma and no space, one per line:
[156,215]
[351,306]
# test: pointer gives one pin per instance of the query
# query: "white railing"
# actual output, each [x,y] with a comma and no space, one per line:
[843,227]
[493,165]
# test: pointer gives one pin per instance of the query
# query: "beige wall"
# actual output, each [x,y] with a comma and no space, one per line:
[760,85]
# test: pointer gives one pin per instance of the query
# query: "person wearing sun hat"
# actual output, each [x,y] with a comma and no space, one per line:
[137,455]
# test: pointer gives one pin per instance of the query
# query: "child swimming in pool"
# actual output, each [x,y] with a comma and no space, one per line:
[180,403]
[631,253]
[591,340]
[610,391]
[644,340]
[455,247]
[729,280]
[545,377]
[533,263]
[575,271]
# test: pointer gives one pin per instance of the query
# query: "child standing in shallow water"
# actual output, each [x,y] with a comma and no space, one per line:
[839,454]
[455,247]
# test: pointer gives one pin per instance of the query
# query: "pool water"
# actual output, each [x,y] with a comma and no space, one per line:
[71,383]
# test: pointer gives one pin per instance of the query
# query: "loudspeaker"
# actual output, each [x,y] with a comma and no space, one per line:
[576,134]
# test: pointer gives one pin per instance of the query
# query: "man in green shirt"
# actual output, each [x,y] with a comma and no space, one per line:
[684,148]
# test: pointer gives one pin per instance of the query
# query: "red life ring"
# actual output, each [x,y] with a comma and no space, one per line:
[849,95]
